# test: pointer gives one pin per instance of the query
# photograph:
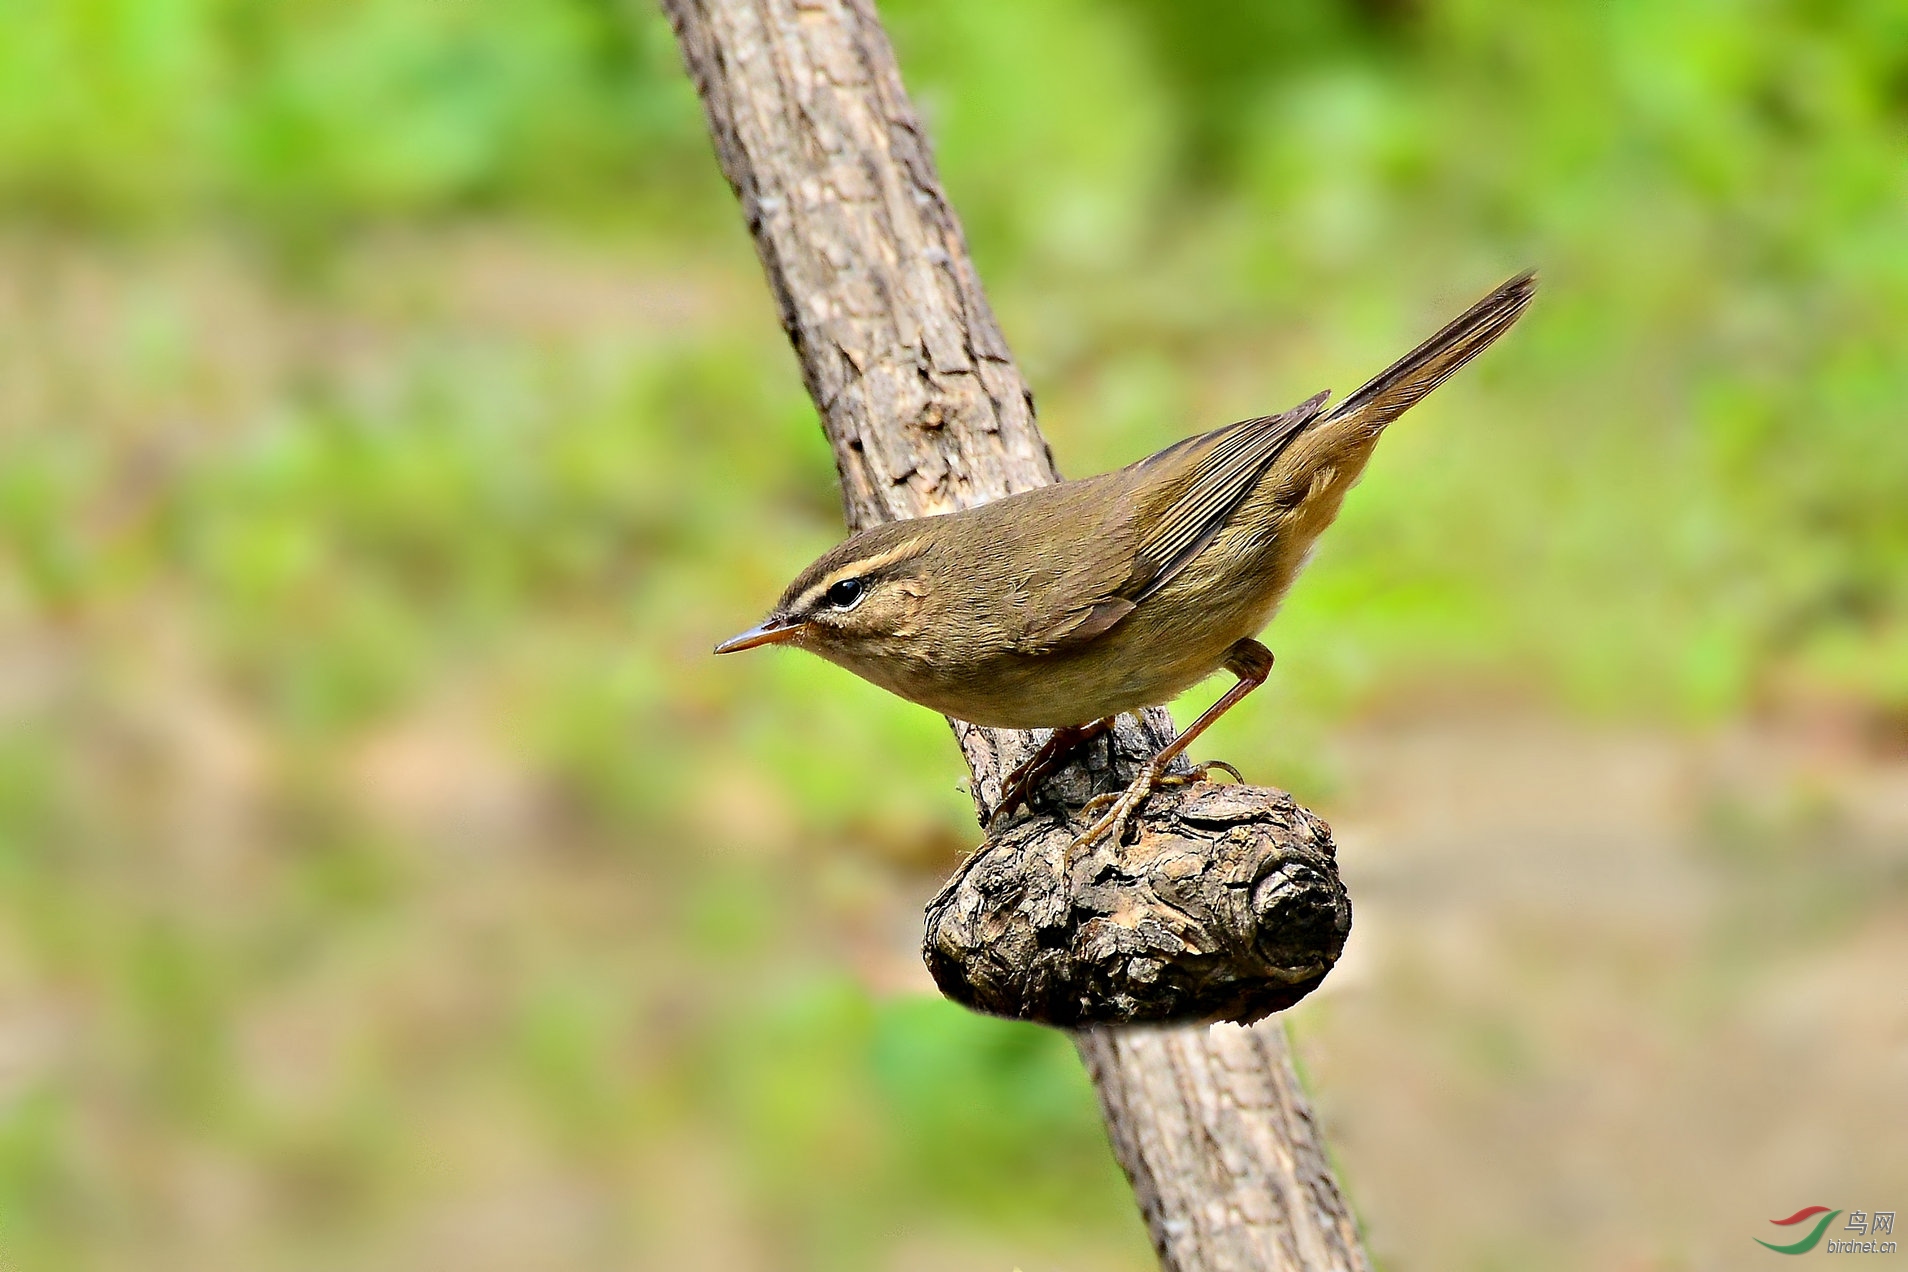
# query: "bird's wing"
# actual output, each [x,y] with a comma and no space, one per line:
[1231,463]
[1149,537]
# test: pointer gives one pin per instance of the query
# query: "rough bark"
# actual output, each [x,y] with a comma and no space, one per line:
[1227,1162]
[927,412]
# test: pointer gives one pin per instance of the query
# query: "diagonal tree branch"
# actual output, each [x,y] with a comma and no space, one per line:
[1228,906]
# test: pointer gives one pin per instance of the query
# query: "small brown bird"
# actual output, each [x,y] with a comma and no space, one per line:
[1064,606]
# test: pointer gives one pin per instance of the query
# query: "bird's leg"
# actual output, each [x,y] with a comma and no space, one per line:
[1251,662]
[1052,754]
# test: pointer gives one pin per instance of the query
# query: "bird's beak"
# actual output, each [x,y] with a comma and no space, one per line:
[771,632]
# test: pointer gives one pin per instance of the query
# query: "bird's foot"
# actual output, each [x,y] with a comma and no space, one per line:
[1126,803]
[1113,825]
[1042,763]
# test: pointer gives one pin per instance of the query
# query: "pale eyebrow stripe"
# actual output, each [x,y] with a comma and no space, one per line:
[867,565]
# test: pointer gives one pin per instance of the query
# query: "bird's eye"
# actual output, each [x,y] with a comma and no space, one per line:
[845,594]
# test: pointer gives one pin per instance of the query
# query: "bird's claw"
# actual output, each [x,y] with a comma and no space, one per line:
[1113,825]
[1048,759]
[1202,771]
[1128,801]
[1014,791]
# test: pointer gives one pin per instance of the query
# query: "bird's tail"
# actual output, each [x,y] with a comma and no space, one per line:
[1401,385]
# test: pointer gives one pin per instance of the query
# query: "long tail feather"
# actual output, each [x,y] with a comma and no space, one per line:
[1400,386]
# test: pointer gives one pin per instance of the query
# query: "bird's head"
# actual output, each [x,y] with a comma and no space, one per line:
[862,599]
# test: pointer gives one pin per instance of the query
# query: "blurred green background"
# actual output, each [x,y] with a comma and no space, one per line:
[392,415]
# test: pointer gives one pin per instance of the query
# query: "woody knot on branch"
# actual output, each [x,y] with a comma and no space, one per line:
[1223,904]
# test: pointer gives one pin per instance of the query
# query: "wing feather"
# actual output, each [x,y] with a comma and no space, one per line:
[1224,476]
